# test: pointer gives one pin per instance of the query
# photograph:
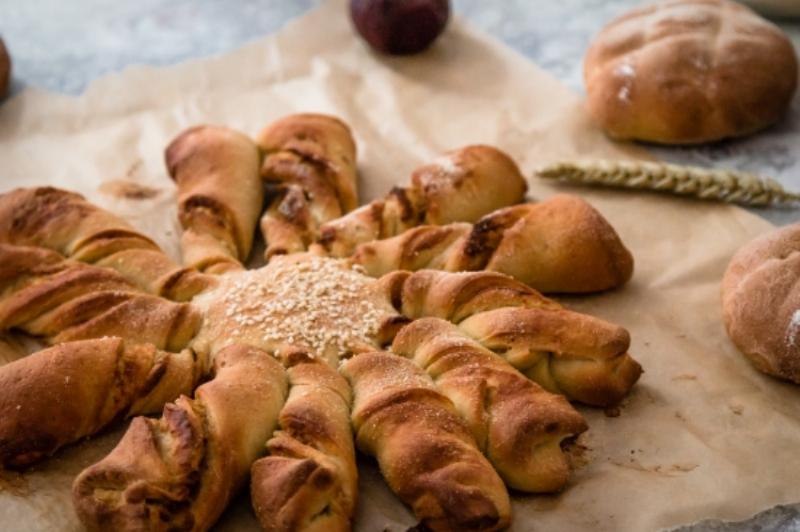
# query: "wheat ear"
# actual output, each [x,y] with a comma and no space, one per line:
[703,183]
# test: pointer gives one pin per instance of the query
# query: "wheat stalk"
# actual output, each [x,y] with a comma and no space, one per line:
[703,183]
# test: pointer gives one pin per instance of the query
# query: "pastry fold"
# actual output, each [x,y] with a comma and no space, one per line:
[179,472]
[220,196]
[73,390]
[309,169]
[560,245]
[66,223]
[62,300]
[425,450]
[309,480]
[461,186]
[576,355]
[518,425]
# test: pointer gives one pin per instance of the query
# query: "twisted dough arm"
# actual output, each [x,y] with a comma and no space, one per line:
[425,451]
[62,394]
[518,425]
[460,186]
[61,300]
[309,481]
[565,352]
[309,168]
[579,356]
[179,472]
[66,223]
[220,196]
[560,245]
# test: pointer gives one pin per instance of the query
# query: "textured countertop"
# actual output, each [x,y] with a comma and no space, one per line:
[63,46]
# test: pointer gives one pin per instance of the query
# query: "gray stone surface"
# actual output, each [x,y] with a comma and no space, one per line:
[63,45]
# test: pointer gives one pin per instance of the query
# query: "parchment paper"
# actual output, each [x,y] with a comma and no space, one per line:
[703,435]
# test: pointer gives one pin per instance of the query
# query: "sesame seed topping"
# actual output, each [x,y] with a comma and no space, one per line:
[317,303]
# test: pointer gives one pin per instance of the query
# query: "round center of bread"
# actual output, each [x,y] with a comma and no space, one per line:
[320,304]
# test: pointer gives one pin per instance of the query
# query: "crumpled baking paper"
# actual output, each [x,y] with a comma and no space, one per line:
[703,435]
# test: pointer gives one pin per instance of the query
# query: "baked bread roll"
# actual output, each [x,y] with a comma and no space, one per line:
[179,472]
[309,480]
[560,245]
[310,171]
[761,302]
[5,69]
[71,226]
[424,449]
[219,195]
[73,390]
[518,425]
[689,71]
[579,356]
[460,186]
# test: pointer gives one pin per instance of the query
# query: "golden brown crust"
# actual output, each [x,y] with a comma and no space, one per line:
[180,471]
[309,480]
[582,357]
[5,69]
[64,393]
[454,296]
[219,195]
[517,424]
[69,225]
[761,302]
[573,354]
[62,300]
[310,169]
[460,186]
[425,451]
[689,71]
[560,245]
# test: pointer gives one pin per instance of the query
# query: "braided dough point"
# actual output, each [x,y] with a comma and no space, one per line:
[761,302]
[179,472]
[219,195]
[310,168]
[689,71]
[425,450]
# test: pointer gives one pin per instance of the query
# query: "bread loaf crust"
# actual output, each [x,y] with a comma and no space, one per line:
[761,302]
[689,71]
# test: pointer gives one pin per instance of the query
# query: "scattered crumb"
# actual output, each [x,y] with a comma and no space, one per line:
[579,455]
[684,377]
[737,409]
[612,411]
[683,468]
[128,190]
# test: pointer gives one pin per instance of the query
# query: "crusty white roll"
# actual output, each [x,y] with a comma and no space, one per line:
[689,71]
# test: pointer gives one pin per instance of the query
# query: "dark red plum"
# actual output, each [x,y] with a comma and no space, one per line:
[400,27]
